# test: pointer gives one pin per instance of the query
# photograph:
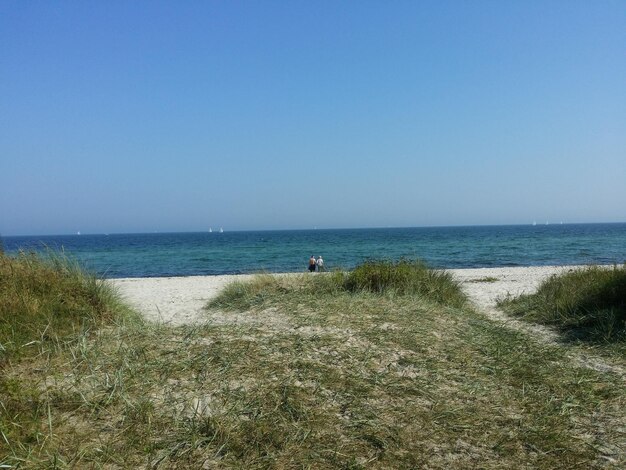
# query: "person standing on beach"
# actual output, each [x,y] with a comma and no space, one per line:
[320,264]
[312,264]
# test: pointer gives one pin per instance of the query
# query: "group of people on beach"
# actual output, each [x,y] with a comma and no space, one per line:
[316,264]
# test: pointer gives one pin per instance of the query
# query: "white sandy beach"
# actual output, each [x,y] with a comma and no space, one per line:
[180,300]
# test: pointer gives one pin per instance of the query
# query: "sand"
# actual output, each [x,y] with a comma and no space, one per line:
[173,300]
[180,300]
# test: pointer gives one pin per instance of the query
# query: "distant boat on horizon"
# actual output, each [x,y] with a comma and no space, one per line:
[534,223]
[77,233]
[221,230]
[210,230]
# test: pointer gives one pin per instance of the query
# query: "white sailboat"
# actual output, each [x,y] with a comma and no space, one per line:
[210,230]
[221,230]
[534,223]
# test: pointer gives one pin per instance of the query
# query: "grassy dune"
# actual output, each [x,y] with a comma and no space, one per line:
[45,301]
[48,307]
[587,305]
[402,278]
[318,371]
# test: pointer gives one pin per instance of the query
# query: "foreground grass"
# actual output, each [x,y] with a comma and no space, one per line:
[47,306]
[586,305]
[301,372]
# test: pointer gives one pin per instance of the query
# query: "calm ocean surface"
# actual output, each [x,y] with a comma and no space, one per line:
[185,254]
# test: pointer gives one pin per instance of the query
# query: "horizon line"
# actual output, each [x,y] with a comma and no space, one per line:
[386,227]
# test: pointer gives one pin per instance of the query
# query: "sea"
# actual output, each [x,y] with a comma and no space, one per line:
[205,253]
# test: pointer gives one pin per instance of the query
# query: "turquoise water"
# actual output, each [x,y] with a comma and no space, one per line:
[184,254]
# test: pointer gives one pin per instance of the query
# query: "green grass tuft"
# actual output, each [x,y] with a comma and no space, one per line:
[246,294]
[44,299]
[48,305]
[586,304]
[403,278]
[406,278]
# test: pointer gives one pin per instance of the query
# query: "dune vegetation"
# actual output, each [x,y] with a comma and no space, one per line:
[48,307]
[388,278]
[384,367]
[47,300]
[587,305]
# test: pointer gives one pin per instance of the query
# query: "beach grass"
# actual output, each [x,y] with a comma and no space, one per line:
[384,278]
[45,299]
[406,278]
[586,305]
[304,372]
[48,305]
[486,279]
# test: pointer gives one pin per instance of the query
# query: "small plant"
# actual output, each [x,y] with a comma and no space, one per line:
[487,279]
[587,304]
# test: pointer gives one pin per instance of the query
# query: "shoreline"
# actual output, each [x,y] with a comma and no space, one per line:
[306,271]
[180,300]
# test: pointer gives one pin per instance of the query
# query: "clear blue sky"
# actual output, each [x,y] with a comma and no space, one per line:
[180,116]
